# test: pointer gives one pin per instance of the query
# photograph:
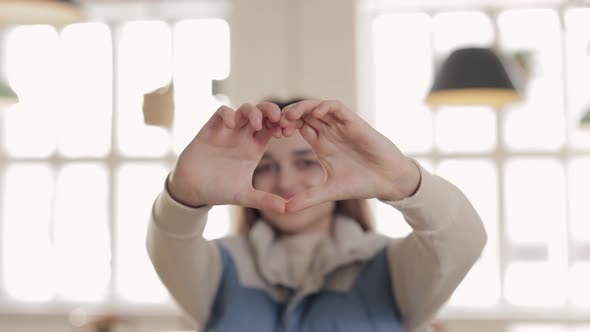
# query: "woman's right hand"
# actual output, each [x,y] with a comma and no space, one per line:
[217,166]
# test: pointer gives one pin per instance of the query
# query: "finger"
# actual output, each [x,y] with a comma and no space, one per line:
[249,115]
[289,106]
[334,108]
[270,111]
[223,117]
[277,132]
[315,123]
[296,111]
[310,197]
[262,137]
[308,133]
[264,201]
[228,115]
[288,131]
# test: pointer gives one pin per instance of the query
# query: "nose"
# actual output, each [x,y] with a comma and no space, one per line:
[287,184]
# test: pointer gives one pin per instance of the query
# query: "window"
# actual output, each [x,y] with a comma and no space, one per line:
[79,169]
[525,168]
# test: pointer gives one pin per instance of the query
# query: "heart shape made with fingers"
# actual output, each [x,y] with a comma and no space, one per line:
[358,161]
[217,167]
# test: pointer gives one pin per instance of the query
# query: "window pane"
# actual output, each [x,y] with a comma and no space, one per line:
[535,217]
[137,187]
[535,201]
[27,251]
[465,129]
[479,181]
[388,220]
[454,124]
[535,284]
[578,72]
[218,222]
[578,290]
[403,72]
[32,58]
[201,54]
[145,64]
[81,234]
[453,30]
[540,115]
[86,87]
[579,185]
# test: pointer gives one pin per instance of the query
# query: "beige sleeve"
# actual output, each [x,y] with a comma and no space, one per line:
[447,239]
[187,264]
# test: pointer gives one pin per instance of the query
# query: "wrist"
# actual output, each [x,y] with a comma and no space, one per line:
[405,185]
[181,196]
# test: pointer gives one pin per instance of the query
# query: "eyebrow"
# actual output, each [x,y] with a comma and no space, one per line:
[302,152]
[296,152]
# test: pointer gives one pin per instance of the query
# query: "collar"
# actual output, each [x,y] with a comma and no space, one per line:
[347,243]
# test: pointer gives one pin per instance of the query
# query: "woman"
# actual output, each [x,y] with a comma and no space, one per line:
[306,257]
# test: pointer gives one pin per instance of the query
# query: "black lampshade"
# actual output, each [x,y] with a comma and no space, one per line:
[472,76]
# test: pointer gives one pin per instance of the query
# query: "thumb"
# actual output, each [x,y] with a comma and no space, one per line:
[310,197]
[264,201]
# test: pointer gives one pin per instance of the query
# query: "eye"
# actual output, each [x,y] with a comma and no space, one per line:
[306,163]
[264,168]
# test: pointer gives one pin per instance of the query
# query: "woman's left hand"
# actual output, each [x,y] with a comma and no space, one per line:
[358,160]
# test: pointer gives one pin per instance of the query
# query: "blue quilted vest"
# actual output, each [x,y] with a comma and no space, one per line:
[368,306]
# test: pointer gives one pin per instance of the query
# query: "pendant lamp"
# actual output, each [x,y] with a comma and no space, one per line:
[472,76]
[51,12]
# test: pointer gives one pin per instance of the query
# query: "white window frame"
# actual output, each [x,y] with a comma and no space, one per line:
[114,15]
[367,11]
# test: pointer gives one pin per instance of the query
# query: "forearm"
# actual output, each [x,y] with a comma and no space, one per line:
[186,263]
[448,237]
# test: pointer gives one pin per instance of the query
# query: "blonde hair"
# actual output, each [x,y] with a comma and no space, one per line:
[357,209]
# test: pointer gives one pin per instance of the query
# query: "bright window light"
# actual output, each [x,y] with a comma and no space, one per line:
[85,88]
[145,64]
[81,232]
[577,23]
[538,234]
[535,201]
[450,32]
[86,232]
[465,129]
[201,54]
[579,190]
[218,222]
[478,180]
[578,290]
[31,58]
[540,115]
[402,78]
[137,187]
[526,284]
[27,251]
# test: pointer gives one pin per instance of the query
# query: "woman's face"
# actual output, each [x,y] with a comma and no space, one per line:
[287,168]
